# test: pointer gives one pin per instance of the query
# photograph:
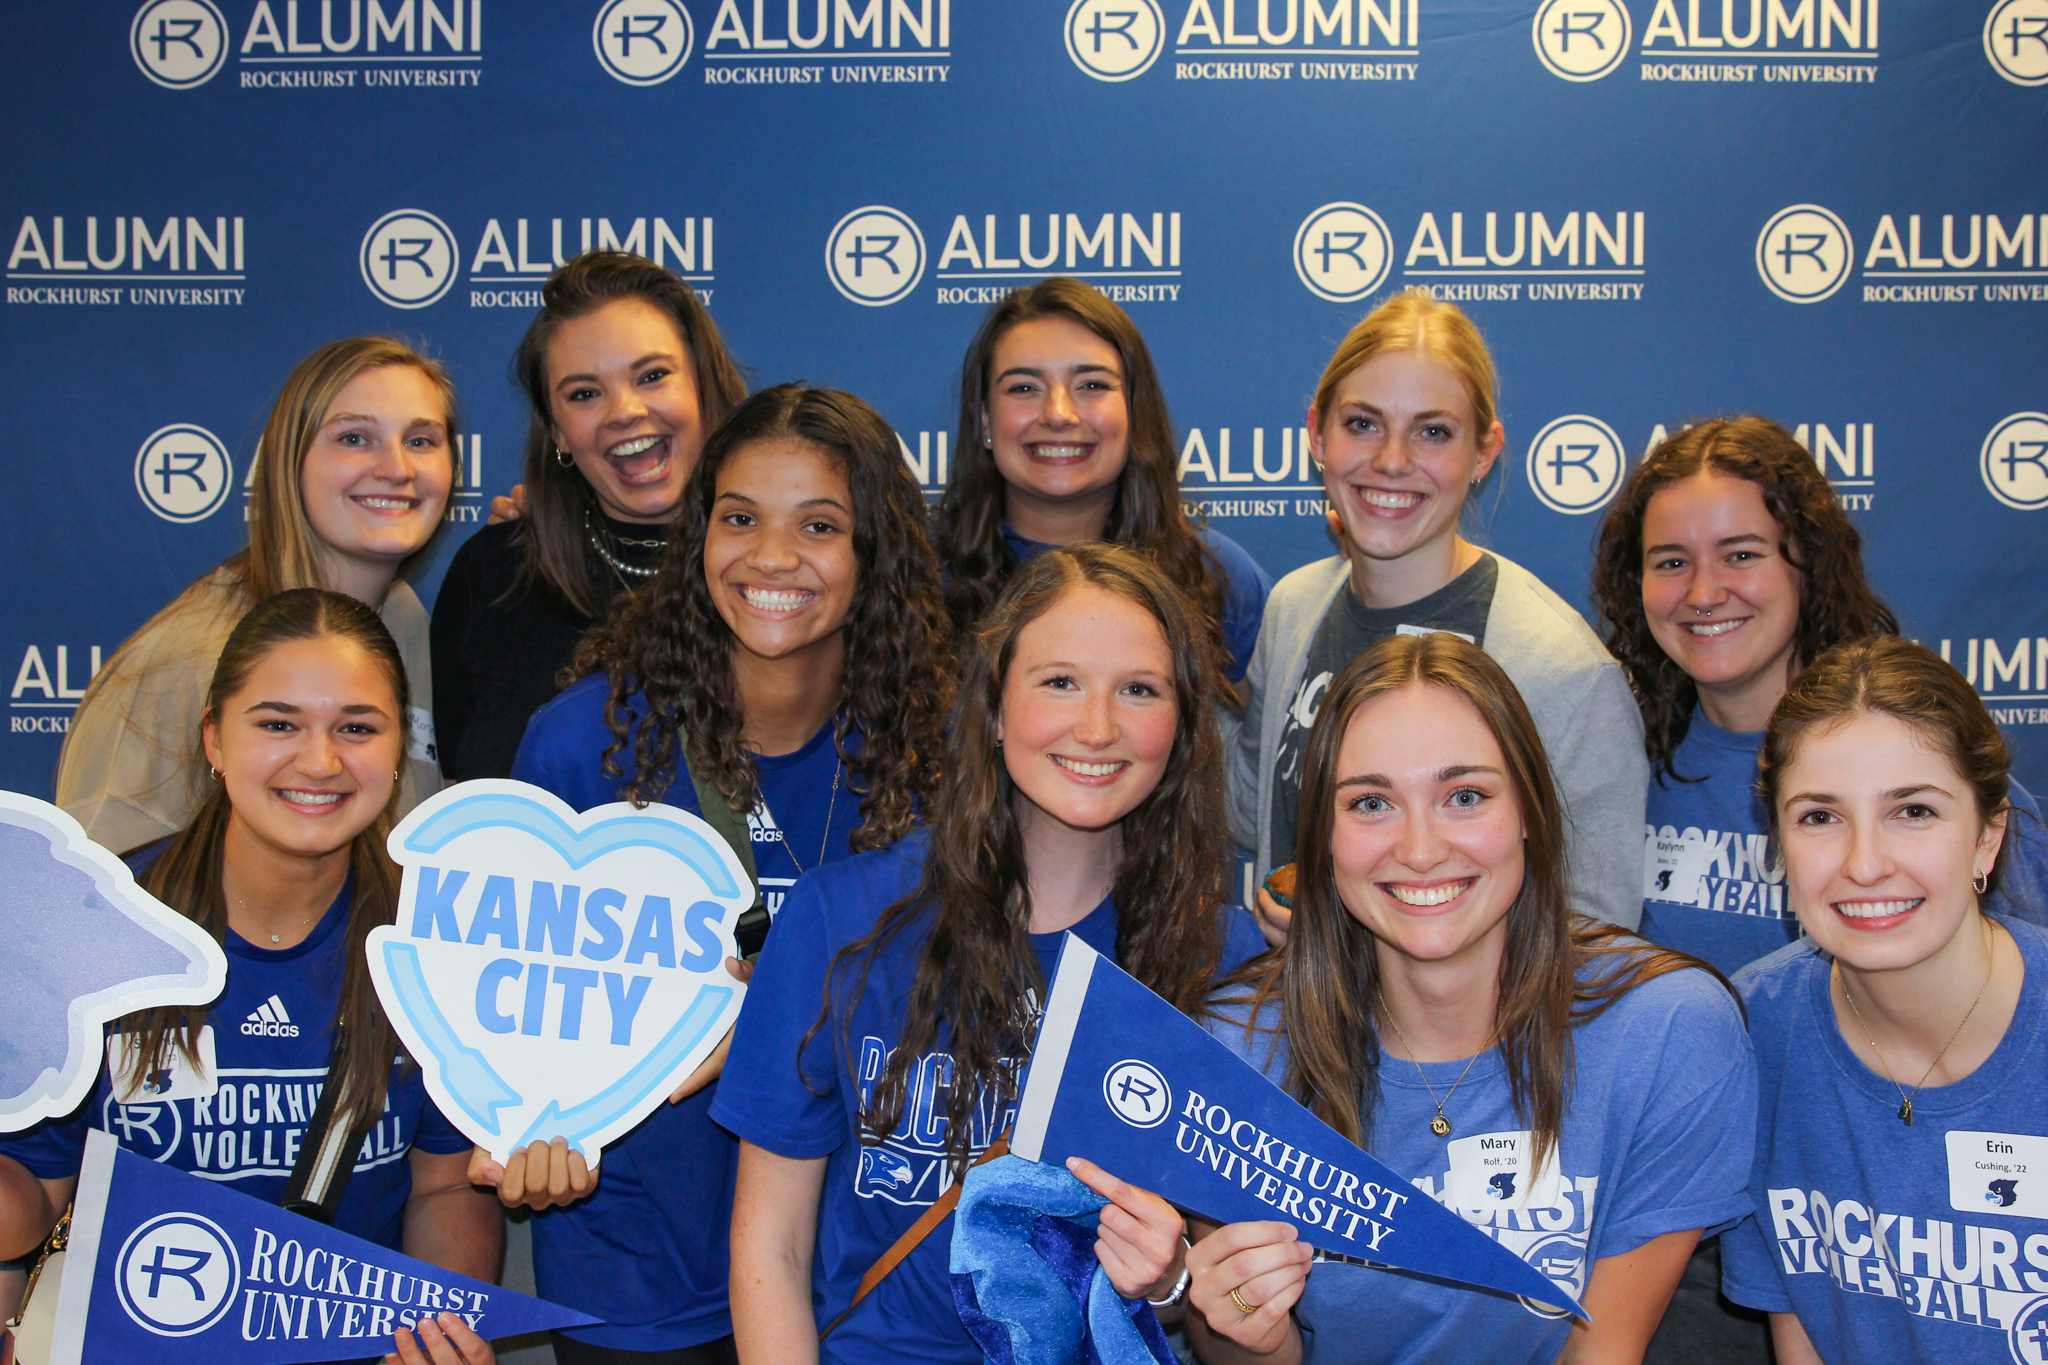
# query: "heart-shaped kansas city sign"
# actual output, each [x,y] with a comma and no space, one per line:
[555,974]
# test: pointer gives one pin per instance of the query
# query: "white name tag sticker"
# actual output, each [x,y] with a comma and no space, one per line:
[419,735]
[175,1078]
[1674,867]
[1433,630]
[1491,1171]
[1998,1173]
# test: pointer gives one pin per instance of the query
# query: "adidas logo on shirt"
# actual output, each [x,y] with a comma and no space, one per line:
[270,1021]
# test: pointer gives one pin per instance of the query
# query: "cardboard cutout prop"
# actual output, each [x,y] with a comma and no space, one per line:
[1126,1080]
[168,1268]
[84,946]
[556,974]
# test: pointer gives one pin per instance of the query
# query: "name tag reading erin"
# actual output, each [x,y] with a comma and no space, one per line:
[1998,1173]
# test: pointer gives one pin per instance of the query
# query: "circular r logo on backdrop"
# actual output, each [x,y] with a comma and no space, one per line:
[2016,40]
[183,472]
[875,255]
[178,44]
[1581,40]
[409,258]
[643,42]
[1137,1093]
[177,1274]
[1114,40]
[1575,464]
[1342,252]
[2014,461]
[1804,253]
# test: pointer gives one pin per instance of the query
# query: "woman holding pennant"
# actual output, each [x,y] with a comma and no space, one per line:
[304,726]
[1576,1094]
[1082,794]
[788,661]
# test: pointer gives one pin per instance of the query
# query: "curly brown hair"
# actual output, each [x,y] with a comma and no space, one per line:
[977,975]
[669,644]
[1836,602]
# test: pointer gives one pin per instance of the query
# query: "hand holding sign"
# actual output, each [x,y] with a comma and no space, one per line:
[556,974]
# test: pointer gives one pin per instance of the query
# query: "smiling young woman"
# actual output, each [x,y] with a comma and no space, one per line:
[1900,1047]
[624,372]
[352,475]
[1437,998]
[284,862]
[1403,427]
[789,655]
[1080,795]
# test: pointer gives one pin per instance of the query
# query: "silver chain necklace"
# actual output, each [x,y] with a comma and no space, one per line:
[823,843]
[623,569]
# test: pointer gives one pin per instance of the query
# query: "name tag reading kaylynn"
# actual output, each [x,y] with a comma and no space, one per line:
[1674,867]
[1998,1173]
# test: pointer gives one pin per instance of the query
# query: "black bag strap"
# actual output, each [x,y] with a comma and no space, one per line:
[752,929]
[328,1156]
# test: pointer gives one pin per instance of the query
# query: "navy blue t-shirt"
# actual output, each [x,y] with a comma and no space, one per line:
[271,1034]
[1926,1243]
[1245,589]
[1712,883]
[647,1252]
[872,1194]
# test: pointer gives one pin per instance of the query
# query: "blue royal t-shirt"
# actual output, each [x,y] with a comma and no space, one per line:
[1712,882]
[271,1034]
[872,1194]
[647,1252]
[1656,1140]
[1245,588]
[1895,1243]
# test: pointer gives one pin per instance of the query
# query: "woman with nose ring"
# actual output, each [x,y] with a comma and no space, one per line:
[623,372]
[1403,428]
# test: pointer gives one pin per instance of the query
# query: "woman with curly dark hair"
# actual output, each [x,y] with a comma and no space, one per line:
[1083,792]
[1064,436]
[791,655]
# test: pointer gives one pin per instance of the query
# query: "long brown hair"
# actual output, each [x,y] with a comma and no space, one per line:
[1816,537]
[1328,976]
[1884,675]
[977,975]
[558,498]
[1146,513]
[669,643]
[187,875]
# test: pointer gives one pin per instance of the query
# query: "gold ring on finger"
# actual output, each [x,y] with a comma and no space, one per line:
[1242,1306]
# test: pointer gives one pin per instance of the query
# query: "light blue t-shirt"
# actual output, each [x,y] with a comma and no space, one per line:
[1657,1140]
[1895,1243]
[1712,883]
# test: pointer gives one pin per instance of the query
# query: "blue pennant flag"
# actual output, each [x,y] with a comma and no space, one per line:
[1127,1081]
[167,1268]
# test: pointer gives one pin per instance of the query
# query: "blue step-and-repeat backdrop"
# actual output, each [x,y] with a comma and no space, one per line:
[1834,212]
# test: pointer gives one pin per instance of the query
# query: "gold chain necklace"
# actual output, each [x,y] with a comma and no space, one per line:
[1439,1125]
[1905,1100]
[250,910]
[823,843]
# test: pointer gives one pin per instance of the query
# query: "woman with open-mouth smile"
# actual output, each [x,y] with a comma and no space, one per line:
[784,674]
[1573,1091]
[1902,1045]
[352,475]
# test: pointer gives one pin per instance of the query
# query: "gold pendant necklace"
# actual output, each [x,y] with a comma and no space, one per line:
[1905,1100]
[1439,1125]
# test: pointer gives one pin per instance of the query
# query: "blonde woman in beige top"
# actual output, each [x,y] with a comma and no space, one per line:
[351,479]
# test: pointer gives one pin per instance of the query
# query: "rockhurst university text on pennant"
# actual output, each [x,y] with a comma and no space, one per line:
[1125,1080]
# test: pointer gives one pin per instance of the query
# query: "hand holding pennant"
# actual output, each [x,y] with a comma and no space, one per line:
[1124,1079]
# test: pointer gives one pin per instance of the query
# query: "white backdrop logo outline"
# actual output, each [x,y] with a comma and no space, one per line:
[183,28]
[183,485]
[863,257]
[656,64]
[1351,232]
[178,1287]
[1094,49]
[2024,40]
[1559,22]
[1576,445]
[1804,234]
[2025,437]
[1137,1093]
[396,243]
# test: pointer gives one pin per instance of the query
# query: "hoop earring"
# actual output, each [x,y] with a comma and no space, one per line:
[564,458]
[213,772]
[1981,881]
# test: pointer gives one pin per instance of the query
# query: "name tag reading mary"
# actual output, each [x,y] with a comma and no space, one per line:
[557,974]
